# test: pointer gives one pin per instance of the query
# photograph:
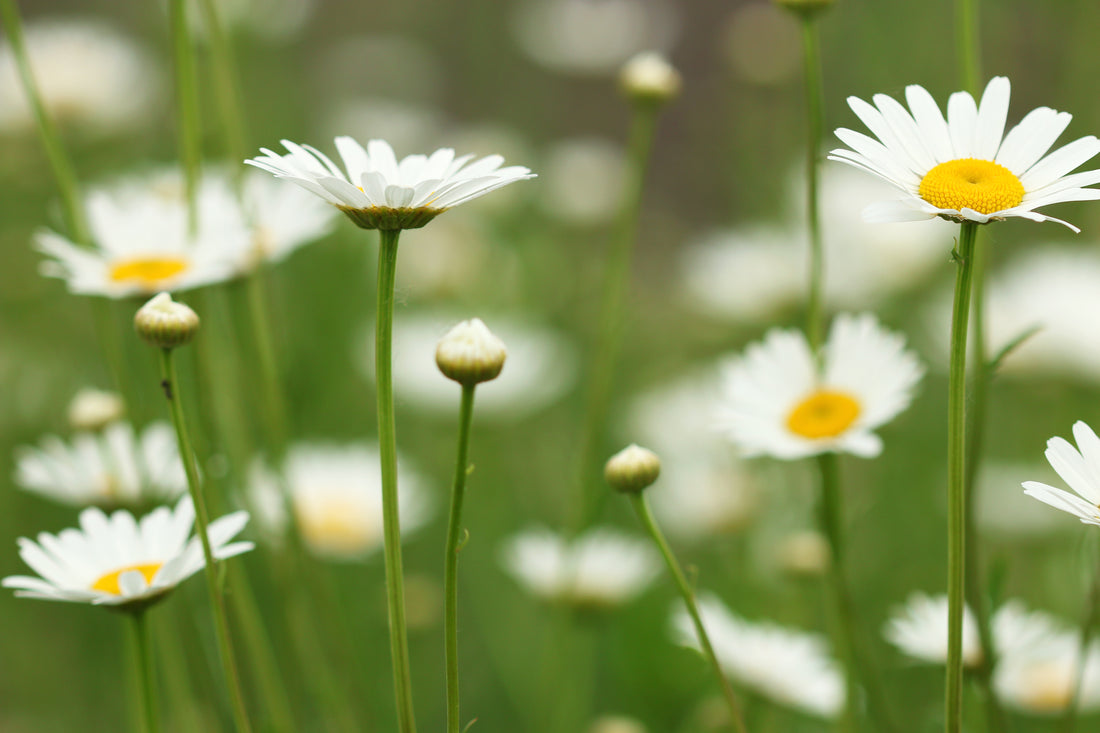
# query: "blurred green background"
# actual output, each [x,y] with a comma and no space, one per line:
[454,73]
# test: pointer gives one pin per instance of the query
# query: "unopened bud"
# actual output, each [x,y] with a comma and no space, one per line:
[649,77]
[632,469]
[470,354]
[804,7]
[165,323]
[94,409]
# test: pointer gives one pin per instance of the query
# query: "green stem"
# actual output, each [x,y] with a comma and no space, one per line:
[846,624]
[814,105]
[1088,624]
[956,476]
[274,404]
[187,101]
[605,348]
[223,64]
[387,446]
[62,167]
[146,672]
[217,601]
[967,44]
[450,562]
[641,508]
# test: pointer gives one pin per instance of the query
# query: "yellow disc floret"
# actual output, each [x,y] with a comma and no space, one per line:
[823,414]
[969,183]
[149,272]
[109,582]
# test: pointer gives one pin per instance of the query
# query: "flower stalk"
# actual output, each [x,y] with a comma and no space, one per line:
[1088,625]
[145,672]
[387,444]
[814,89]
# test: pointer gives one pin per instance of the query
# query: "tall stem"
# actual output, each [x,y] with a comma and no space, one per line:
[645,516]
[387,446]
[966,43]
[217,601]
[605,348]
[1088,624]
[814,104]
[187,102]
[450,563]
[226,89]
[956,476]
[146,672]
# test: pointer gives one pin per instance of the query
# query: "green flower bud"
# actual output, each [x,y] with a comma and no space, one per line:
[165,323]
[650,78]
[470,354]
[94,409]
[632,469]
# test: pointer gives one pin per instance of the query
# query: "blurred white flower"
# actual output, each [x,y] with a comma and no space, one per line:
[804,552]
[592,37]
[405,125]
[118,561]
[1041,678]
[542,367]
[602,568]
[142,239]
[280,217]
[1080,468]
[271,19]
[583,180]
[90,76]
[336,495]
[95,409]
[776,403]
[113,467]
[617,724]
[791,667]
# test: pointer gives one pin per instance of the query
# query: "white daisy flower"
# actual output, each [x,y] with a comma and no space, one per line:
[542,367]
[776,403]
[966,168]
[602,568]
[118,561]
[919,629]
[88,74]
[112,467]
[336,495]
[143,243]
[1080,468]
[282,219]
[378,192]
[1041,678]
[790,667]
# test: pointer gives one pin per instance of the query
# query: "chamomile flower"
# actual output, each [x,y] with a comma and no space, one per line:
[377,191]
[281,219]
[120,562]
[336,496]
[112,467]
[602,568]
[965,167]
[1042,678]
[1080,468]
[777,403]
[143,240]
[790,667]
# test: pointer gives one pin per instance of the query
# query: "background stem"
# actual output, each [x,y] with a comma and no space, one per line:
[146,672]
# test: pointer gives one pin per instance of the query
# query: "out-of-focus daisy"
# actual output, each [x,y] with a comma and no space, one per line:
[965,167]
[777,404]
[803,552]
[336,496]
[602,568]
[1041,678]
[377,191]
[542,367]
[281,219]
[89,75]
[1080,468]
[272,19]
[120,562]
[705,490]
[919,629]
[143,243]
[94,409]
[584,180]
[790,667]
[113,467]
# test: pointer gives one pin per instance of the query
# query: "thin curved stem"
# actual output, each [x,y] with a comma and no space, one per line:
[956,476]
[217,601]
[814,105]
[187,103]
[146,672]
[450,564]
[645,516]
[387,445]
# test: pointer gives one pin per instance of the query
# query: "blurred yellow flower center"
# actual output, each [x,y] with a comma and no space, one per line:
[968,183]
[1049,687]
[148,272]
[824,414]
[109,582]
[337,528]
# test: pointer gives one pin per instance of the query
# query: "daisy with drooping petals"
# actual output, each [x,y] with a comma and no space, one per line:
[377,191]
[120,562]
[1080,468]
[965,167]
[778,404]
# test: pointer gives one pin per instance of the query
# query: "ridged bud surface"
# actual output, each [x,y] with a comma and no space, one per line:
[165,323]
[632,469]
[470,354]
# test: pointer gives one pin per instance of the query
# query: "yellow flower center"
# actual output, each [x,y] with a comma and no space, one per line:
[1049,687]
[337,528]
[109,582]
[825,413]
[969,183]
[149,272]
